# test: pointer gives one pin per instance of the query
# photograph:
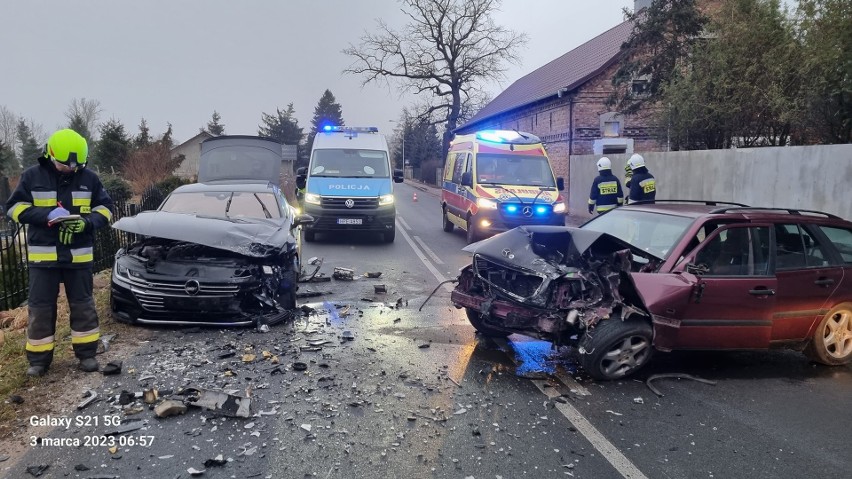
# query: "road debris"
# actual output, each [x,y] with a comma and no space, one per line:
[639,400]
[112,368]
[614,413]
[228,404]
[347,335]
[103,346]
[312,294]
[150,396]
[380,288]
[89,397]
[376,274]
[216,461]
[38,470]
[674,376]
[126,427]
[343,274]
[170,407]
[15,399]
[299,366]
[195,472]
[306,427]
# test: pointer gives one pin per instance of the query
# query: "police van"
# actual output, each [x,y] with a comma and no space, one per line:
[495,180]
[348,184]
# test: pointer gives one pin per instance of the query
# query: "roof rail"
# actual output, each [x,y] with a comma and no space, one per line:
[698,202]
[792,211]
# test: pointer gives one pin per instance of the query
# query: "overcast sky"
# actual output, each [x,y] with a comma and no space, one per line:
[178,60]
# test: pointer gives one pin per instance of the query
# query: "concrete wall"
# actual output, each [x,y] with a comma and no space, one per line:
[805,177]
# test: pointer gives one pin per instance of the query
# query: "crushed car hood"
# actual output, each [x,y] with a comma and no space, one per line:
[257,238]
[527,246]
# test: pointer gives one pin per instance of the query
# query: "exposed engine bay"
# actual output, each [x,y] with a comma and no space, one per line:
[551,282]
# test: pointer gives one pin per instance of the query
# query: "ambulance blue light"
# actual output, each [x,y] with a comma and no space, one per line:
[327,128]
[511,208]
[541,210]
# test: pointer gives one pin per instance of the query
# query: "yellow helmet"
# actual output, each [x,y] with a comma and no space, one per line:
[67,147]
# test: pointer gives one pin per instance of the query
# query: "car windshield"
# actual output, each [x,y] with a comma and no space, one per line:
[513,170]
[226,204]
[655,233]
[350,163]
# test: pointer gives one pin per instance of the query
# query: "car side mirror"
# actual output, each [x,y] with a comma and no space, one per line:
[302,170]
[697,269]
[467,180]
[302,219]
[560,183]
[398,176]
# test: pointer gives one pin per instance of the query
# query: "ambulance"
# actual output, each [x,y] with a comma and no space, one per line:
[495,180]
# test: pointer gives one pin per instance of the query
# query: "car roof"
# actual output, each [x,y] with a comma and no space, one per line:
[698,209]
[252,186]
[359,141]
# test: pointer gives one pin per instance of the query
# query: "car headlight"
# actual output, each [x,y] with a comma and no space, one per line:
[385,200]
[312,198]
[121,270]
[559,207]
[486,203]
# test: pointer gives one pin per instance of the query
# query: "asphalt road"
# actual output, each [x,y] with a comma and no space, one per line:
[417,394]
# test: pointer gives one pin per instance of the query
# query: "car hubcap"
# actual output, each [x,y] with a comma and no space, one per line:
[626,356]
[837,336]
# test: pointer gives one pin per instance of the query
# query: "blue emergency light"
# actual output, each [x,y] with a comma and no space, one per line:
[350,129]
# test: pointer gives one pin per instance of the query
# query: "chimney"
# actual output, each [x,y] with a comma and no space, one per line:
[640,4]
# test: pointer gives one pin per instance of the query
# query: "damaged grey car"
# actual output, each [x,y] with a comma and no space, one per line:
[221,252]
[669,276]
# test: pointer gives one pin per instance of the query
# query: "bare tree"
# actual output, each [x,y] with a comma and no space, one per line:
[448,50]
[8,127]
[85,110]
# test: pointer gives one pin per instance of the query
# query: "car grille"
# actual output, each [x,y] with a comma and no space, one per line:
[340,202]
[510,281]
[152,294]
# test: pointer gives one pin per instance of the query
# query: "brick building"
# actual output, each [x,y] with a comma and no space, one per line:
[564,103]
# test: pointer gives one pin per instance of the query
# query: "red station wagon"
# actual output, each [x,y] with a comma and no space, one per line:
[665,276]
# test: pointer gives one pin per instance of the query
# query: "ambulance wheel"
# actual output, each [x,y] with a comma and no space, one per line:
[448,225]
[310,236]
[472,234]
[390,235]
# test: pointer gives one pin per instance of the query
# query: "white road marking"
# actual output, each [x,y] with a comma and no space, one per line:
[426,261]
[571,384]
[403,223]
[618,460]
[428,251]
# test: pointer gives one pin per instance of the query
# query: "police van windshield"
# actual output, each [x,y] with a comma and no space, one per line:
[350,163]
[513,170]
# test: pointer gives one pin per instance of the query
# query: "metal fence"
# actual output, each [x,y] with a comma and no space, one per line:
[13,255]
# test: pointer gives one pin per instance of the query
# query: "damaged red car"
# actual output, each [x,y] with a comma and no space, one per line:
[673,275]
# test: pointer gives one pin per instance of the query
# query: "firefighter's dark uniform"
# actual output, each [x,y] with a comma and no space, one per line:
[643,185]
[606,192]
[41,189]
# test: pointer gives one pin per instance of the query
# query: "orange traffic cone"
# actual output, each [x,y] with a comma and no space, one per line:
[414,198]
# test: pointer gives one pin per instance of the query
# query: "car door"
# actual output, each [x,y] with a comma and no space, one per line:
[727,304]
[453,190]
[808,275]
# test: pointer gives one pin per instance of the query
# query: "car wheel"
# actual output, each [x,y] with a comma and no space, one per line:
[472,235]
[389,236]
[832,341]
[448,225]
[475,318]
[288,299]
[310,236]
[616,348]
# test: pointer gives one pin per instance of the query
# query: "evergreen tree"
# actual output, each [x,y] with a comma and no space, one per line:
[143,139]
[214,127]
[9,165]
[111,151]
[283,126]
[78,124]
[167,139]
[327,112]
[30,149]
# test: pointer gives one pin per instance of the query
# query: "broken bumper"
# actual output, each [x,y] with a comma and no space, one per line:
[167,303]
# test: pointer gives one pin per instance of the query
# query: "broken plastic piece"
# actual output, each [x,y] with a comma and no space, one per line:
[227,404]
[219,460]
[126,427]
[89,397]
[150,396]
[674,376]
[373,275]
[380,288]
[348,336]
[170,407]
[344,274]
[112,367]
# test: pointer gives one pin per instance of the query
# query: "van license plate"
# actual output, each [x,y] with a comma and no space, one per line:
[349,221]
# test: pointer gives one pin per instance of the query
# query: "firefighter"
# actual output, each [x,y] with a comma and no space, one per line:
[606,191]
[643,185]
[62,203]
